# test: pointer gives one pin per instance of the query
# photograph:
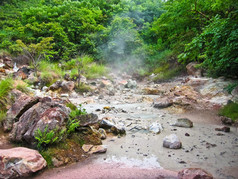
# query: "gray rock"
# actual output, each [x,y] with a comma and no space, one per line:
[183,122]
[172,142]
[87,120]
[155,128]
[131,84]
[162,103]
[20,162]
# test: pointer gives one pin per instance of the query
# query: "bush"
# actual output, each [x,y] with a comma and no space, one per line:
[230,110]
[5,86]
[47,137]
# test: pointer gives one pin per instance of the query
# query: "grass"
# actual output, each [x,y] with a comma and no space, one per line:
[86,66]
[165,72]
[50,72]
[230,110]
[5,86]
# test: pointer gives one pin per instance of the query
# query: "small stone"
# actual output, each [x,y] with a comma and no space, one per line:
[187,134]
[193,173]
[155,128]
[223,129]
[172,142]
[103,133]
[183,122]
[226,120]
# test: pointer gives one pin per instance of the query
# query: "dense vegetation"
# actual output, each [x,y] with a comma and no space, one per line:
[149,33]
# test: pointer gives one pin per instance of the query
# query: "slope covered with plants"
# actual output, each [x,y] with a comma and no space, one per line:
[153,34]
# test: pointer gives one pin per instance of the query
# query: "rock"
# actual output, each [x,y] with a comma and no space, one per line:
[234,94]
[183,122]
[55,86]
[20,162]
[162,103]
[112,127]
[67,86]
[226,120]
[87,119]
[192,70]
[118,130]
[155,128]
[106,124]
[105,83]
[32,79]
[152,91]
[224,129]
[91,149]
[8,63]
[64,95]
[22,104]
[56,162]
[131,84]
[47,112]
[22,73]
[172,142]
[103,133]
[194,173]
[45,88]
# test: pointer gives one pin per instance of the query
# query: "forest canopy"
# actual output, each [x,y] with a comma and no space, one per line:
[150,33]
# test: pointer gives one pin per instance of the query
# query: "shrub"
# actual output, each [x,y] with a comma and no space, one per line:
[47,137]
[5,86]
[230,110]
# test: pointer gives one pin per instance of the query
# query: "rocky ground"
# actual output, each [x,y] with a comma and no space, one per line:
[147,120]
[152,130]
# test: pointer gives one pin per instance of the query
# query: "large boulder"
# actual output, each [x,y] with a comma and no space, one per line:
[47,113]
[20,162]
[22,104]
[194,173]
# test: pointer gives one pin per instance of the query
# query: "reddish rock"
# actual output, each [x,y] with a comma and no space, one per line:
[20,162]
[22,104]
[7,62]
[45,113]
[22,73]
[67,86]
[194,173]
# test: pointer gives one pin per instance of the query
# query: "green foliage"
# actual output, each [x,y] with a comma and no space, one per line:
[72,124]
[23,88]
[79,111]
[47,137]
[81,88]
[230,110]
[229,88]
[3,115]
[84,66]
[5,86]
[49,72]
[216,47]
